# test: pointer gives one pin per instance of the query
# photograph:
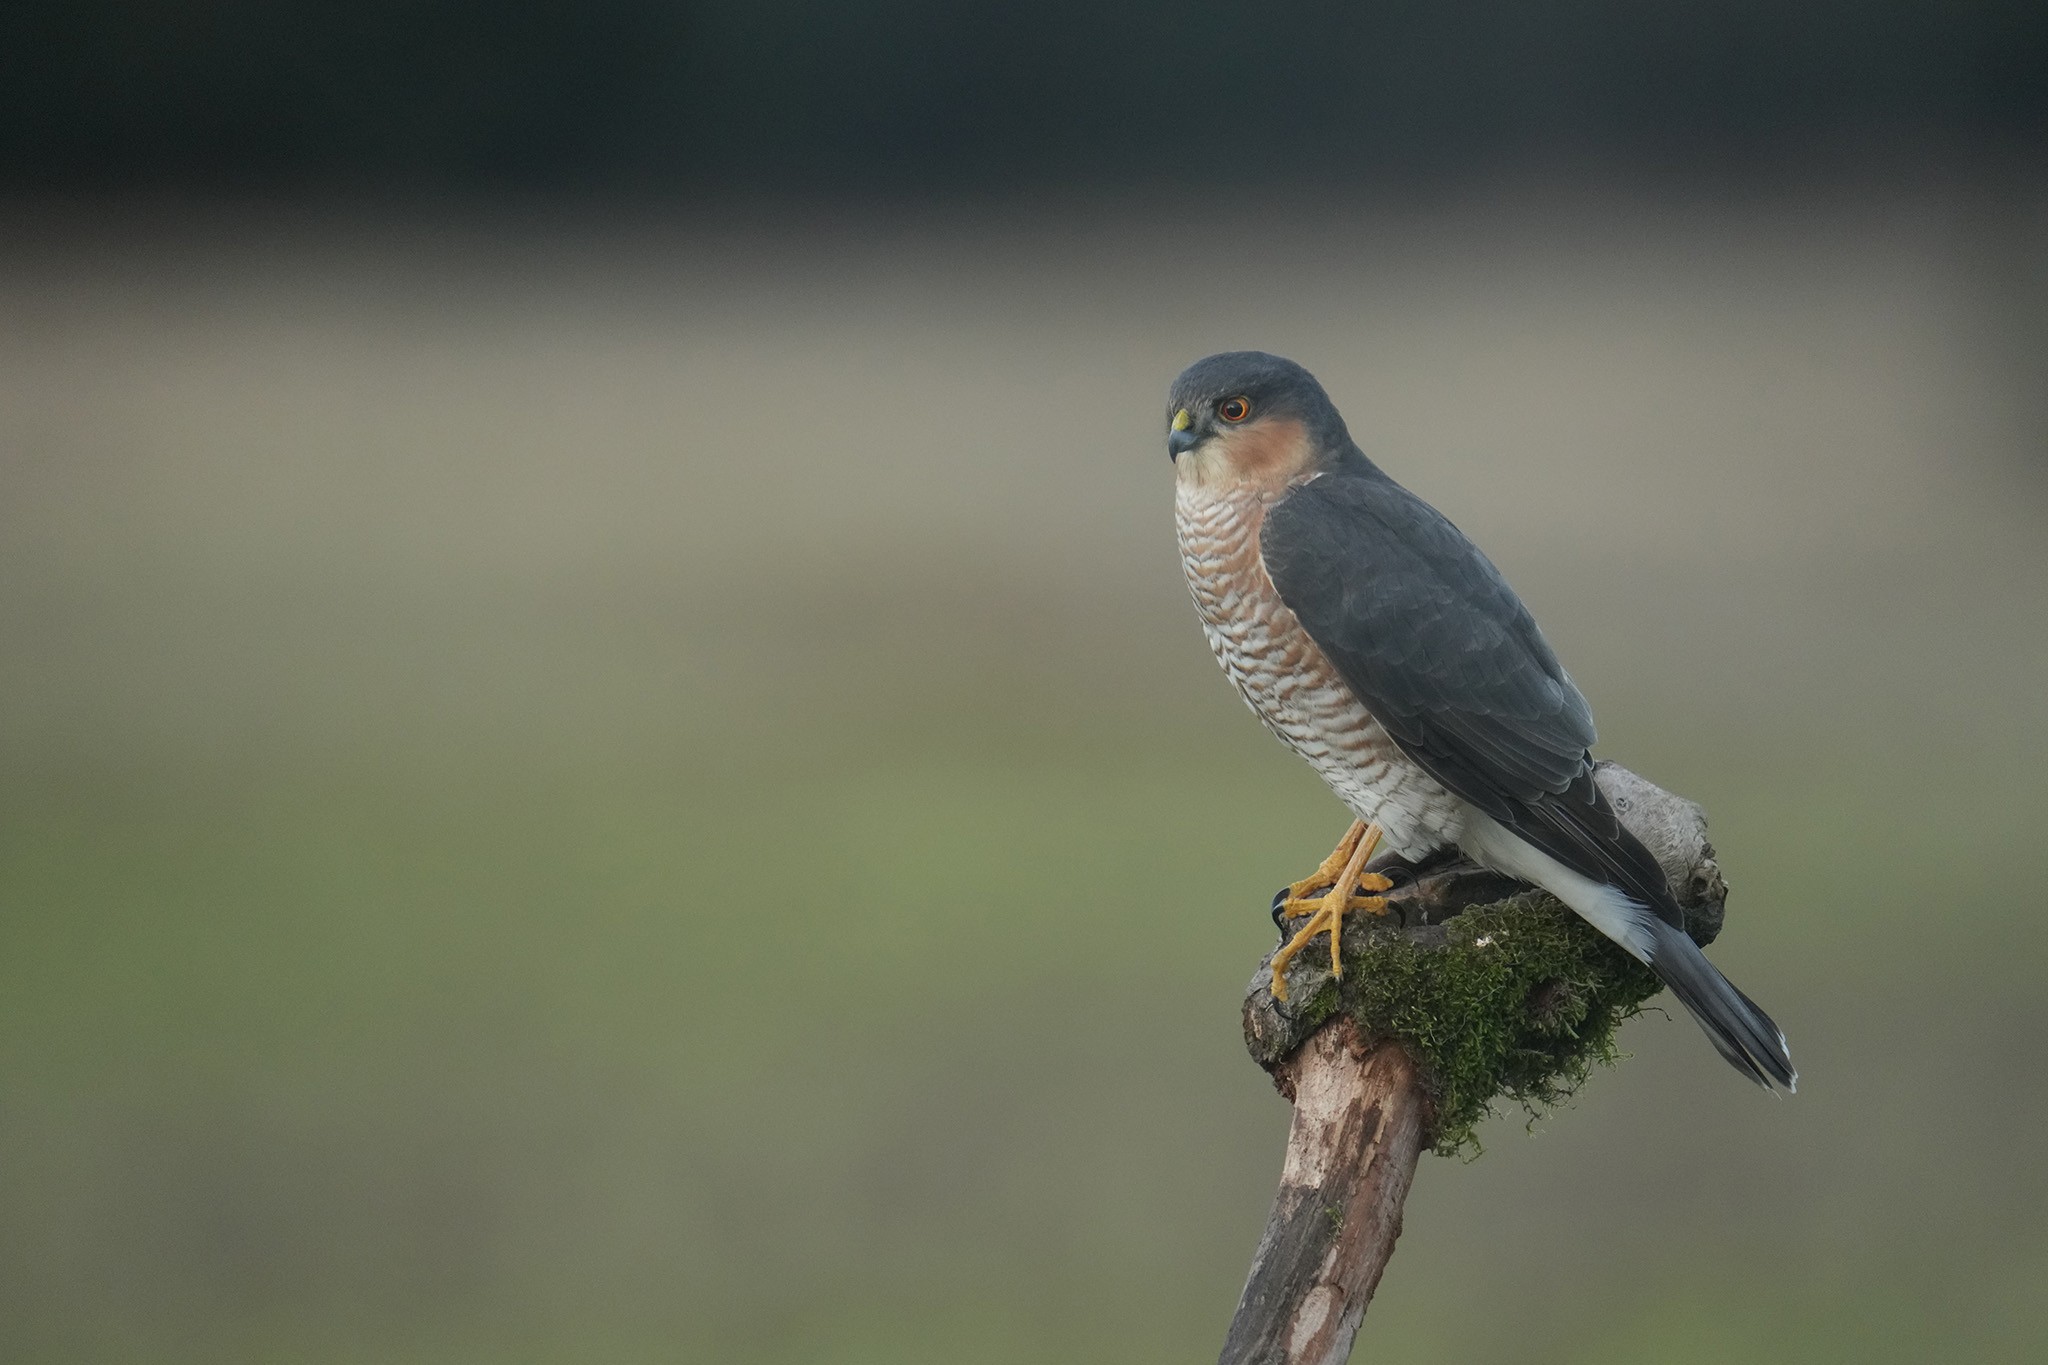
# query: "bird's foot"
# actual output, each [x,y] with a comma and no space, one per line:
[1291,908]
[1327,917]
[1323,878]
[1344,883]
[1289,904]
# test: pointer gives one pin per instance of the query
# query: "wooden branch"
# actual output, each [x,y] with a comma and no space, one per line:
[1362,1103]
[1360,1119]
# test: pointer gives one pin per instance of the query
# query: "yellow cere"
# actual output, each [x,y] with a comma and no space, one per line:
[1181,420]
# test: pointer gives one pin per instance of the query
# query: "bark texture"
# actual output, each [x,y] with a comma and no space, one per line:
[1360,1124]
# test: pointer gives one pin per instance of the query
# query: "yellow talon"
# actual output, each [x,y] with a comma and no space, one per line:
[1326,913]
[1295,907]
[1325,877]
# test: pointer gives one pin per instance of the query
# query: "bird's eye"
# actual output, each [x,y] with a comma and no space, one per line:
[1234,409]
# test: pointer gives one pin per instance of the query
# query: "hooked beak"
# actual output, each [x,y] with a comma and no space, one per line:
[1183,437]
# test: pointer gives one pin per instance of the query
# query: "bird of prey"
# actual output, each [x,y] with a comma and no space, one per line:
[1379,644]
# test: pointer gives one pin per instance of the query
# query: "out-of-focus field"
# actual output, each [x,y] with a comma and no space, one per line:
[580,792]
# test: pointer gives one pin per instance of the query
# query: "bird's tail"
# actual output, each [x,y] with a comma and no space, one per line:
[1739,1030]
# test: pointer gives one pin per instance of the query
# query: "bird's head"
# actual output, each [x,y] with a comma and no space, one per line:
[1249,417]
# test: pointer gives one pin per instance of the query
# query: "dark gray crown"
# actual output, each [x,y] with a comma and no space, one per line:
[1275,385]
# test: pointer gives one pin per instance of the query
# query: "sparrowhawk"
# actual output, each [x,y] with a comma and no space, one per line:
[1379,644]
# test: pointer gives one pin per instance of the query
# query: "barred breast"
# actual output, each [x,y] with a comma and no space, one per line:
[1290,684]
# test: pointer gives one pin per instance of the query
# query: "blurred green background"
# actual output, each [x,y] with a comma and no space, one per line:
[594,777]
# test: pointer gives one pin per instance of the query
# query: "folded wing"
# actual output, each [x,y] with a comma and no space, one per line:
[1438,647]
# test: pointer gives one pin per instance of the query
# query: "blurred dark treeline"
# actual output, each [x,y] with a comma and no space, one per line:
[786,95]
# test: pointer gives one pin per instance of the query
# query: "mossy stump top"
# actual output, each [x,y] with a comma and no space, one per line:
[1499,992]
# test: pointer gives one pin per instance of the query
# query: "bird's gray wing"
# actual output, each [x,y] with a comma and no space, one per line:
[1439,648]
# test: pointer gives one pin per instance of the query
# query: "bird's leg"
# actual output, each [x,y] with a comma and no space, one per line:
[1324,877]
[1302,897]
[1328,914]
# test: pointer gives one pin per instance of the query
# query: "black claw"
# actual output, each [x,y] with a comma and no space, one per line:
[1280,899]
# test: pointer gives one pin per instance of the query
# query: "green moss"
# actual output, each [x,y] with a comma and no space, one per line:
[1514,1001]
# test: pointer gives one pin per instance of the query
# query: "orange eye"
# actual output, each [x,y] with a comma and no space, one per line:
[1234,409]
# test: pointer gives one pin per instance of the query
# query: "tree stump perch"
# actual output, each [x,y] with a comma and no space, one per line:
[1472,989]
[1360,1124]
